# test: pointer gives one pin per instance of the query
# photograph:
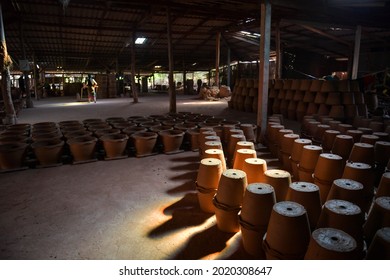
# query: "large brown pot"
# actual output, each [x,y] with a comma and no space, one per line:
[144,142]
[48,152]
[114,144]
[12,155]
[171,140]
[82,148]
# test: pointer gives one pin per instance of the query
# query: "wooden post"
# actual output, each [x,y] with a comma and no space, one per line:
[265,42]
[36,78]
[134,87]
[5,63]
[217,57]
[228,69]
[278,52]
[356,53]
[172,93]
[29,103]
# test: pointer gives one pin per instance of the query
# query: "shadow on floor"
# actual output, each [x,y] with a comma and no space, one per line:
[185,187]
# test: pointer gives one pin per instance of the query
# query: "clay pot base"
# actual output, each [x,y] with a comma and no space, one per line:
[49,165]
[146,155]
[85,161]
[174,152]
[117,157]
[13,170]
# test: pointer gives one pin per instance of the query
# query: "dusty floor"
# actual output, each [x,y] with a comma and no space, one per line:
[132,208]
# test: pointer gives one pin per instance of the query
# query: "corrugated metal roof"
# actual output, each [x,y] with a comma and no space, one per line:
[94,35]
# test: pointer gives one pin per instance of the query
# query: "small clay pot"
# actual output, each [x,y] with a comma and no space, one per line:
[226,216]
[254,169]
[342,146]
[362,152]
[48,152]
[205,199]
[384,185]
[94,127]
[309,156]
[380,246]
[249,131]
[308,195]
[44,125]
[329,167]
[193,135]
[77,133]
[218,154]
[144,142]
[114,144]
[298,147]
[331,244]
[378,217]
[212,145]
[209,173]
[241,155]
[101,132]
[356,134]
[231,188]
[343,215]
[12,155]
[288,232]
[201,139]
[231,148]
[82,148]
[382,152]
[369,139]
[280,180]
[349,190]
[257,204]
[171,140]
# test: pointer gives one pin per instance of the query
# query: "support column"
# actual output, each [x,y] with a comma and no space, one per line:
[356,52]
[36,78]
[265,42]
[134,88]
[217,58]
[172,93]
[278,61]
[228,69]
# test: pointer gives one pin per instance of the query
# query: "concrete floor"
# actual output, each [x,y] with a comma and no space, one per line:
[132,208]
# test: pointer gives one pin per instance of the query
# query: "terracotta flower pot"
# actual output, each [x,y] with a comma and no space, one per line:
[384,185]
[308,195]
[380,246]
[252,239]
[209,173]
[309,156]
[193,136]
[342,146]
[378,217]
[114,119]
[212,145]
[231,148]
[11,138]
[331,244]
[44,125]
[254,169]
[48,152]
[362,152]
[201,139]
[218,154]
[349,190]
[12,155]
[241,155]
[77,133]
[257,204]
[144,142]
[249,131]
[114,144]
[92,120]
[356,134]
[382,152]
[369,139]
[205,199]
[231,188]
[101,132]
[280,180]
[226,216]
[172,140]
[346,216]
[362,173]
[82,148]
[95,127]
[329,167]
[288,232]
[70,129]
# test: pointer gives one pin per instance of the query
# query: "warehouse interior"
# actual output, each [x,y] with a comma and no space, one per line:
[318,66]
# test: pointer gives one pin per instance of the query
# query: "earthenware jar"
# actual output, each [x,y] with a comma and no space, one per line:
[378,217]
[12,155]
[172,140]
[346,216]
[362,152]
[48,152]
[349,190]
[280,180]
[114,145]
[296,155]
[369,139]
[231,188]
[218,154]
[331,244]
[384,185]
[82,148]
[379,248]
[249,131]
[258,201]
[209,173]
[288,232]
[342,146]
[308,195]
[144,143]
[254,169]
[241,155]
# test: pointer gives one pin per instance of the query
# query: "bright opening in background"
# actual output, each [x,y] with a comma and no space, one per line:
[140,40]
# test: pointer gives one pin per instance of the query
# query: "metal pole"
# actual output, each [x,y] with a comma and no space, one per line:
[356,53]
[172,93]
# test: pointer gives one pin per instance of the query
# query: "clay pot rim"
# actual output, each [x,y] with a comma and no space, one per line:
[82,140]
[114,137]
[144,135]
[49,143]
[11,147]
[74,134]
[171,133]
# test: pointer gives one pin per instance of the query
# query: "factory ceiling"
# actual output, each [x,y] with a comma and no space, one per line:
[86,35]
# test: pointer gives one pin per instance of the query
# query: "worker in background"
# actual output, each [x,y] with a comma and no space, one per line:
[91,86]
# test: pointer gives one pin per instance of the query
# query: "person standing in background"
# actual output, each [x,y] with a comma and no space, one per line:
[91,86]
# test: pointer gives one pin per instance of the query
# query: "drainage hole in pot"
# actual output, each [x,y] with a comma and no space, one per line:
[234,173]
[342,207]
[303,186]
[348,184]
[260,188]
[334,238]
[289,208]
